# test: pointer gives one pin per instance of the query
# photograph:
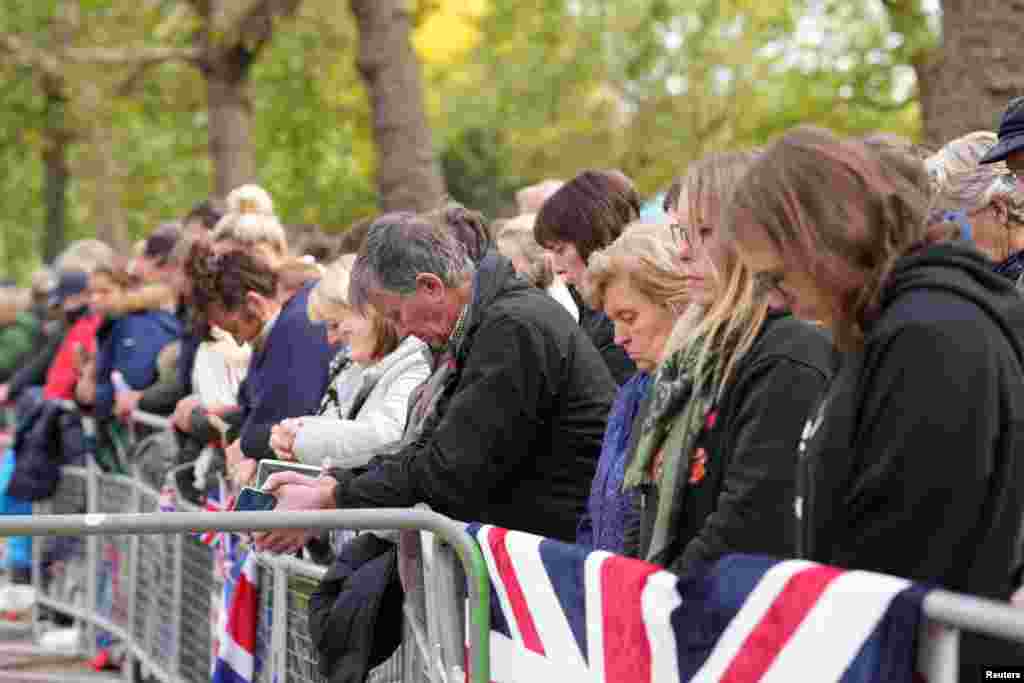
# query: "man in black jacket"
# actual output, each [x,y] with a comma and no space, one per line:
[516,432]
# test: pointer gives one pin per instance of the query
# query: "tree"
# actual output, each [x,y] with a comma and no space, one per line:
[408,177]
[966,76]
[52,69]
[230,39]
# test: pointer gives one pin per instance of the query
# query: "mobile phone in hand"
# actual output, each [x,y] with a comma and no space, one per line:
[254,500]
[269,467]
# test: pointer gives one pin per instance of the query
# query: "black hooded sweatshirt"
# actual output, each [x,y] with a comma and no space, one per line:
[518,429]
[912,464]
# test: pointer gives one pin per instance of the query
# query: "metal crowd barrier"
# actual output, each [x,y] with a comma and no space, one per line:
[138,582]
[166,664]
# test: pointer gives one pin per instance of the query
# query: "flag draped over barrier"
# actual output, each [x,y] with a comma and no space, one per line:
[236,660]
[560,612]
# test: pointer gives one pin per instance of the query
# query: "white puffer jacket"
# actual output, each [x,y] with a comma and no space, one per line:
[380,420]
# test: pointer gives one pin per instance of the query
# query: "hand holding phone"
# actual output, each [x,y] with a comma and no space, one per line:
[254,500]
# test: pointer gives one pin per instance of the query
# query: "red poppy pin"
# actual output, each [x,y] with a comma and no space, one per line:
[711,419]
[656,464]
[698,465]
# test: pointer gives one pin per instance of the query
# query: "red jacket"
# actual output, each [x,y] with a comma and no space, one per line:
[62,375]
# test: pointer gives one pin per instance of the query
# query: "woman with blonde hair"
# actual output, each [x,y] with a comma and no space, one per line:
[991,204]
[716,457]
[637,282]
[364,410]
[371,379]
[516,242]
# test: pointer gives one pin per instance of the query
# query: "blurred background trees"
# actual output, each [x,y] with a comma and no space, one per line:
[120,115]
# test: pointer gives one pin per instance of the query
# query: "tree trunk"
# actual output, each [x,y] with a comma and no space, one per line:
[56,178]
[230,121]
[966,83]
[408,175]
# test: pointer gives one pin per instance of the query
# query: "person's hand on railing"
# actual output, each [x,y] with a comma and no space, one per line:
[182,415]
[125,403]
[1017,599]
[5,393]
[294,491]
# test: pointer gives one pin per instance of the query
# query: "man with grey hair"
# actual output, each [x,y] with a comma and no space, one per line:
[516,431]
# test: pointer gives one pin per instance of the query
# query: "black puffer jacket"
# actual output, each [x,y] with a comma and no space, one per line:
[914,463]
[517,432]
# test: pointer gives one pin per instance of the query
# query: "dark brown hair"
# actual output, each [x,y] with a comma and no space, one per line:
[838,210]
[225,279]
[588,212]
[206,213]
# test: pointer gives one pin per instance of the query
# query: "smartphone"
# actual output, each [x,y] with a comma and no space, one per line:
[268,467]
[254,500]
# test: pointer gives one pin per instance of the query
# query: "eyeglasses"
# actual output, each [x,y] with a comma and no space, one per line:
[678,232]
[767,282]
[684,233]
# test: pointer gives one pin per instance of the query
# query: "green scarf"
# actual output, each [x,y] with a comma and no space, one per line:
[684,393]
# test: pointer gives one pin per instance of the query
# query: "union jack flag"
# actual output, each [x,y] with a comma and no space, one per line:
[563,613]
[213,504]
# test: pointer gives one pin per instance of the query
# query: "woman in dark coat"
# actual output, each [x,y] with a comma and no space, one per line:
[911,465]
[586,214]
[716,457]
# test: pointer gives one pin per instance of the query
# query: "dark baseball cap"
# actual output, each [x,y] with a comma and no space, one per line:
[71,282]
[1011,133]
[161,242]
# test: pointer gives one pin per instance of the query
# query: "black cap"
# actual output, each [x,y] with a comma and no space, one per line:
[71,282]
[1011,133]
[161,242]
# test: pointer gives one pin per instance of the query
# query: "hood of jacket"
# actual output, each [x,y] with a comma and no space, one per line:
[494,278]
[957,268]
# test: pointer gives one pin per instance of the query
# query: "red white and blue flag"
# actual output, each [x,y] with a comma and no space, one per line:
[563,613]
[236,652]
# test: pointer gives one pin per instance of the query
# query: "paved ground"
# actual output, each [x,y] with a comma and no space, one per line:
[21,661]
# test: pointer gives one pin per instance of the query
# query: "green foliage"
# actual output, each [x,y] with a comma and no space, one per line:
[535,90]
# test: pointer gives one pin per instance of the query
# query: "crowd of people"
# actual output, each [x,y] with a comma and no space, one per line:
[819,353]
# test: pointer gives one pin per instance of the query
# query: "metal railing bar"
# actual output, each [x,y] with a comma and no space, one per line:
[369,519]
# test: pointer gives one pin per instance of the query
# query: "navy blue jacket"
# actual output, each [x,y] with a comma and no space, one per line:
[130,344]
[287,376]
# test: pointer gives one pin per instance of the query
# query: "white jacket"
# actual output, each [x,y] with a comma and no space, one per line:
[381,419]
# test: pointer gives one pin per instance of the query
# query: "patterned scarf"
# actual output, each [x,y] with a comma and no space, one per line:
[331,399]
[1013,269]
[684,394]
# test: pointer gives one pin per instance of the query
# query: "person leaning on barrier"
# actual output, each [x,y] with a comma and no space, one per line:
[519,415]
[364,408]
[80,257]
[638,283]
[716,455]
[237,292]
[912,463]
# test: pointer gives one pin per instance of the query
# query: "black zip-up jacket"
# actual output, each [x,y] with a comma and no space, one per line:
[739,498]
[912,465]
[517,431]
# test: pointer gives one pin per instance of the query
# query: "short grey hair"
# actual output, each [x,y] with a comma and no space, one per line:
[398,248]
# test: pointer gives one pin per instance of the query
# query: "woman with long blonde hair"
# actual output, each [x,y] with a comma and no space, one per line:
[716,459]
